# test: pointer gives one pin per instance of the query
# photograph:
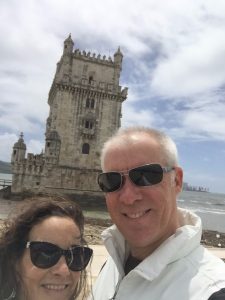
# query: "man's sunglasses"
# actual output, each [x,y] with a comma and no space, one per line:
[45,255]
[146,175]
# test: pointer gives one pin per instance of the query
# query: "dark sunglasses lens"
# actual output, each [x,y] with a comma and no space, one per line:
[44,255]
[147,175]
[110,181]
[80,258]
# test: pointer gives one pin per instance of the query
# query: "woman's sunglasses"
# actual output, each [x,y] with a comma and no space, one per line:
[146,175]
[45,255]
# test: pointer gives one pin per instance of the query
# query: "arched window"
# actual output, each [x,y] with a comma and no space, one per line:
[85,148]
[92,103]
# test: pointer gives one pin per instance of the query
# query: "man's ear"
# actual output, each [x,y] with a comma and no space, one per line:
[178,180]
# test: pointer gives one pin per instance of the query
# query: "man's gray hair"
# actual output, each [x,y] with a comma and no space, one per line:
[123,135]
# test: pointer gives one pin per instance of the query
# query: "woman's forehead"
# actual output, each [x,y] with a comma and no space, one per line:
[56,229]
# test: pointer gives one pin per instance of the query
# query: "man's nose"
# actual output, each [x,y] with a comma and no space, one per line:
[129,192]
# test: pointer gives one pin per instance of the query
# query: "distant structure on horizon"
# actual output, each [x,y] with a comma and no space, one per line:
[85,102]
[188,187]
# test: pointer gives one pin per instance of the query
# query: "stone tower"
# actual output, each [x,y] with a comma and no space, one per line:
[85,102]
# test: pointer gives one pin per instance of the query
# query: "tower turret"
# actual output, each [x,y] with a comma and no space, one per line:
[19,150]
[64,66]
[118,57]
[68,46]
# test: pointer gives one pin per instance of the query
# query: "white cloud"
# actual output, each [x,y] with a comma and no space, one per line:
[211,123]
[193,69]
[132,116]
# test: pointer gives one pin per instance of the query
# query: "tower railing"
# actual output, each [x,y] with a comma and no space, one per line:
[5,182]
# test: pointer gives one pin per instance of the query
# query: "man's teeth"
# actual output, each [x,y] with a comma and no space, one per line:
[56,287]
[137,215]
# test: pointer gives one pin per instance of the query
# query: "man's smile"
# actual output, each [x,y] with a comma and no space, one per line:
[136,215]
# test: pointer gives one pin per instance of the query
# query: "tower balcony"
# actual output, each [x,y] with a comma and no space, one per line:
[87,132]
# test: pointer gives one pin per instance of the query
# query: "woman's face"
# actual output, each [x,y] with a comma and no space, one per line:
[57,282]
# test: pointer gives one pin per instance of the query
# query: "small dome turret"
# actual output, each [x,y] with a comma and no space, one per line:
[19,150]
[20,143]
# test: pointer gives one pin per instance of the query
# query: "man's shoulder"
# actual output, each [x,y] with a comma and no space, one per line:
[220,295]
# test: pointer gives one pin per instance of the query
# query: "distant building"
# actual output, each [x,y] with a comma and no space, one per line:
[85,102]
[188,187]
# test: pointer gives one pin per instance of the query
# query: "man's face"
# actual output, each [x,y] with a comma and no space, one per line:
[146,216]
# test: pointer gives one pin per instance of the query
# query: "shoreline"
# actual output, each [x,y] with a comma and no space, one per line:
[94,226]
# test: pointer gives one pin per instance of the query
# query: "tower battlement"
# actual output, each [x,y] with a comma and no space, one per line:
[88,56]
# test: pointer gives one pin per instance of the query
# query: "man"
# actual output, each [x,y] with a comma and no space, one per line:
[154,246]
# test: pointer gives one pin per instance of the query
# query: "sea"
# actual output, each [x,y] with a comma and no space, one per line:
[209,206]
[5,176]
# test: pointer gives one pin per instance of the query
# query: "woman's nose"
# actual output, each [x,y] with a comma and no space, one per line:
[61,268]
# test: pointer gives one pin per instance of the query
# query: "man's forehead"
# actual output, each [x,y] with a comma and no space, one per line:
[135,147]
[134,139]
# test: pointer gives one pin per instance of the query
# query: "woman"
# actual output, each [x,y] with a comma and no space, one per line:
[42,251]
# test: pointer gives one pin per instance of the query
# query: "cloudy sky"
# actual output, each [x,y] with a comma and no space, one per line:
[174,67]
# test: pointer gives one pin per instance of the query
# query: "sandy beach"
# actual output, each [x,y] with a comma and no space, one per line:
[94,227]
